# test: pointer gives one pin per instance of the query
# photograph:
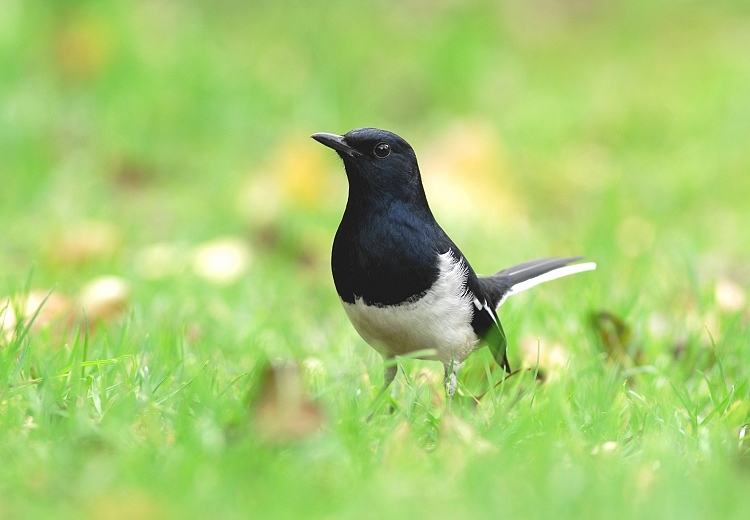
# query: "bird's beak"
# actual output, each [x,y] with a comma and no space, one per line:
[337,142]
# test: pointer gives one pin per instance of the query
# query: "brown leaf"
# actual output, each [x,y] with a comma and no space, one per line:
[281,410]
[552,357]
[132,174]
[615,336]
[466,174]
[222,261]
[93,240]
[83,48]
[160,260]
[730,297]
[56,310]
[105,298]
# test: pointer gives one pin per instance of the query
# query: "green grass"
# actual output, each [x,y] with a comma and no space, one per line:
[613,129]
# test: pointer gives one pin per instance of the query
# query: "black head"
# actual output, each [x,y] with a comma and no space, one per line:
[378,163]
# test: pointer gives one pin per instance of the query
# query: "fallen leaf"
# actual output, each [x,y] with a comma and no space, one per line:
[304,176]
[105,298]
[552,357]
[259,201]
[57,309]
[730,297]
[281,410]
[465,174]
[132,174]
[160,260]
[8,320]
[88,241]
[606,448]
[615,336]
[296,176]
[222,261]
[83,48]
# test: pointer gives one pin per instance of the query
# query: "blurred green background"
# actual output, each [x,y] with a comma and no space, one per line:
[166,144]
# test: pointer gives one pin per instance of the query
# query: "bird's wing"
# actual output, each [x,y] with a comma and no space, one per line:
[528,274]
[488,328]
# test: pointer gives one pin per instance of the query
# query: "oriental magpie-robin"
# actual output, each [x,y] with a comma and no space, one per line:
[404,284]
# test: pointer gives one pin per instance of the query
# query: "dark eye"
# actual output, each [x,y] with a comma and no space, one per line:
[382,150]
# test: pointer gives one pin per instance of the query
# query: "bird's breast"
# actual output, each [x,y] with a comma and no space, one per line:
[384,260]
[436,321]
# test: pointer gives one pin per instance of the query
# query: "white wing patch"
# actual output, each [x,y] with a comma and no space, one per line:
[480,305]
[439,321]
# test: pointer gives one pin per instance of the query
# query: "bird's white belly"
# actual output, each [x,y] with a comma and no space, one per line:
[439,322]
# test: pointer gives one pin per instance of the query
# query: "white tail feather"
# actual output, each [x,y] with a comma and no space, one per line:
[546,277]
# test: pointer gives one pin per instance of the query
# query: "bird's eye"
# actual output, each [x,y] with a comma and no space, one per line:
[382,150]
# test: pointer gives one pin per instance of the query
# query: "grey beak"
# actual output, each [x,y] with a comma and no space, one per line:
[337,142]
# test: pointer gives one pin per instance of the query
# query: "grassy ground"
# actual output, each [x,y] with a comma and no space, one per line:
[134,135]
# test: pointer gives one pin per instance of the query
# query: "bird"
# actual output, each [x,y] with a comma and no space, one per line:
[404,284]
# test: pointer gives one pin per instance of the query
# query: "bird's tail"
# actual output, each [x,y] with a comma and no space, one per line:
[528,274]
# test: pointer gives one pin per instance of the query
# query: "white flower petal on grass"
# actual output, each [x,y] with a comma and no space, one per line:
[105,298]
[222,261]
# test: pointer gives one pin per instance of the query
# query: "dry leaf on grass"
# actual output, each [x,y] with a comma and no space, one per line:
[552,358]
[297,176]
[605,448]
[105,298]
[730,297]
[56,310]
[465,170]
[93,240]
[160,260]
[222,261]
[281,410]
[616,337]
[83,48]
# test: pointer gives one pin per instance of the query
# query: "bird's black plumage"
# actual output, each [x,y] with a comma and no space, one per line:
[404,283]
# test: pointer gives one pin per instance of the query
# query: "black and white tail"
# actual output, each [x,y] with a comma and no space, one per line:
[523,276]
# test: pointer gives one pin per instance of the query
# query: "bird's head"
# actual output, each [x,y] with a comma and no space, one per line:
[377,162]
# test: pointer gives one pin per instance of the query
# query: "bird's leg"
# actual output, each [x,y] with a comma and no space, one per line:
[451,379]
[389,374]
